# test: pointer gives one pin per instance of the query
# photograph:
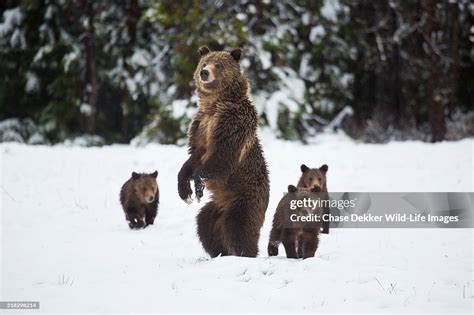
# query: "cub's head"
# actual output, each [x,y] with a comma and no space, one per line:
[294,189]
[218,71]
[145,186]
[313,178]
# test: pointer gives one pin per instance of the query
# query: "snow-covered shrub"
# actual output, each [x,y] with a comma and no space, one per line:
[23,131]
[460,125]
[85,141]
[170,125]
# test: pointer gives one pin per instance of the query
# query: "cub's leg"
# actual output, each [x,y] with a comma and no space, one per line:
[325,224]
[150,216]
[300,245]
[209,229]
[311,241]
[135,218]
[289,241]
[274,242]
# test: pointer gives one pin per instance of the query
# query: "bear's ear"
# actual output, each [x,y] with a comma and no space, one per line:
[203,50]
[304,168]
[324,168]
[236,54]
[135,175]
[291,189]
[154,174]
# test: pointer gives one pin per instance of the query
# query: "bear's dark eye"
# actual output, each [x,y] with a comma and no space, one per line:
[319,178]
[204,65]
[218,66]
[310,179]
[144,189]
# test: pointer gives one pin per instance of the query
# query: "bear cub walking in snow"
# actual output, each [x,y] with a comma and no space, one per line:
[140,197]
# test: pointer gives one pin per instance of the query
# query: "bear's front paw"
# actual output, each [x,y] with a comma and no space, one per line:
[199,186]
[185,191]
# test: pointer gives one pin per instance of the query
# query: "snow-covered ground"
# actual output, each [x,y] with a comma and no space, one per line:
[64,240]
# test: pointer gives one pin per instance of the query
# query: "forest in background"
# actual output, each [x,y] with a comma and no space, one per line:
[121,71]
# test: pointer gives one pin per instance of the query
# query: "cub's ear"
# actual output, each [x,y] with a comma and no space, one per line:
[304,168]
[324,168]
[203,50]
[135,175]
[154,174]
[291,189]
[236,54]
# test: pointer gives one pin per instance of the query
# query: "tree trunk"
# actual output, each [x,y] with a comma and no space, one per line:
[455,55]
[89,116]
[435,97]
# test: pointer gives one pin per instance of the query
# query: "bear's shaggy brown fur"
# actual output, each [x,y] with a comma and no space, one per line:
[140,197]
[299,242]
[226,158]
[315,178]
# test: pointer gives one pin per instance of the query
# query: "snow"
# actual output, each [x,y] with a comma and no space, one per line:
[11,19]
[18,39]
[65,241]
[316,34]
[32,82]
[179,107]
[85,109]
[330,8]
[140,58]
[290,94]
[70,57]
[264,56]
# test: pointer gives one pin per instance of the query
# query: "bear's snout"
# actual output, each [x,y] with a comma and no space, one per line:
[204,75]
[316,188]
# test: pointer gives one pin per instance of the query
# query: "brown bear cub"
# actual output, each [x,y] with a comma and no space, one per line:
[226,158]
[315,178]
[300,241]
[140,198]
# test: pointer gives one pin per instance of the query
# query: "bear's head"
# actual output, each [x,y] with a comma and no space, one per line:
[313,178]
[145,186]
[219,72]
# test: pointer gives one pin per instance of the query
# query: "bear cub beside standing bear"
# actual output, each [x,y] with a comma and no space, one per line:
[315,178]
[299,240]
[140,197]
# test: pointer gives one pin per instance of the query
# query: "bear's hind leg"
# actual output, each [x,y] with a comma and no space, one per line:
[209,231]
[242,228]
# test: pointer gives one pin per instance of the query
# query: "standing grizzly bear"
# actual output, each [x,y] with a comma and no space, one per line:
[226,158]
[140,198]
[315,178]
[300,241]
